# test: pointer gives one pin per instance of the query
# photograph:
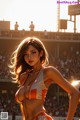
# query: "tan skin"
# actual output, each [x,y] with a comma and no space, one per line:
[30,108]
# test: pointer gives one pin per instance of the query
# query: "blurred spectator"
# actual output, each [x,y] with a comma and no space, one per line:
[45,34]
[32,26]
[16,26]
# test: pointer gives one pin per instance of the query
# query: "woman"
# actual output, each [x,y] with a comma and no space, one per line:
[34,76]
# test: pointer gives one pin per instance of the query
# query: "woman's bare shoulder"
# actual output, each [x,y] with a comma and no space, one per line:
[52,73]
[50,69]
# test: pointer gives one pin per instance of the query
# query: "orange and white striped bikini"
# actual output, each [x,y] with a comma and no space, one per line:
[37,90]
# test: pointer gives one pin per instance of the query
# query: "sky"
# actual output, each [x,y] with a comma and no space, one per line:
[43,13]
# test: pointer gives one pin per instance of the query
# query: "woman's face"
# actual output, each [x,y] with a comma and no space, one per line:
[32,56]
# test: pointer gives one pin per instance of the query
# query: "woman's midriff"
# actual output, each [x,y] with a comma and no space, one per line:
[31,108]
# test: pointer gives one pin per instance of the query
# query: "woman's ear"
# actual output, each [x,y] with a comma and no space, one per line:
[41,53]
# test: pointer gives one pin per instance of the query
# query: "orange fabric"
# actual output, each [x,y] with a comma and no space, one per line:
[44,93]
[32,94]
[42,116]
[37,90]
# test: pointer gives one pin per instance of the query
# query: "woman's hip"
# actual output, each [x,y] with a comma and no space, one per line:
[42,116]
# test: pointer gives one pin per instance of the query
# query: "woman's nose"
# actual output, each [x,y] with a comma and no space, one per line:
[29,56]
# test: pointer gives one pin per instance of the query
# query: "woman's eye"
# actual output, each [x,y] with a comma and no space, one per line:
[33,52]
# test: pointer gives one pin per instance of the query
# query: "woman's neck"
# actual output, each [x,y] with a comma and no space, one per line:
[37,67]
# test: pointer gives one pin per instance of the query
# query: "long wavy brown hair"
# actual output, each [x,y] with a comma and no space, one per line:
[17,63]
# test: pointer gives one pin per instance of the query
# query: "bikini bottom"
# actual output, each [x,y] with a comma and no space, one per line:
[42,116]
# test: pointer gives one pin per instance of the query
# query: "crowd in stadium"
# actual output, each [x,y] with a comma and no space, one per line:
[4,70]
[69,66]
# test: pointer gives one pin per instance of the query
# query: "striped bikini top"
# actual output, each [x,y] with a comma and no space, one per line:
[37,90]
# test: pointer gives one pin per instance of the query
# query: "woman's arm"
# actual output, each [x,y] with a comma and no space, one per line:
[73,102]
[23,110]
[56,76]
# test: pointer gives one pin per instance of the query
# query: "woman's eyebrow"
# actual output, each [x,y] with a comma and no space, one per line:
[30,51]
[33,50]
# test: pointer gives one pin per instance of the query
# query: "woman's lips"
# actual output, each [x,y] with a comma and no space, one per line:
[30,61]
